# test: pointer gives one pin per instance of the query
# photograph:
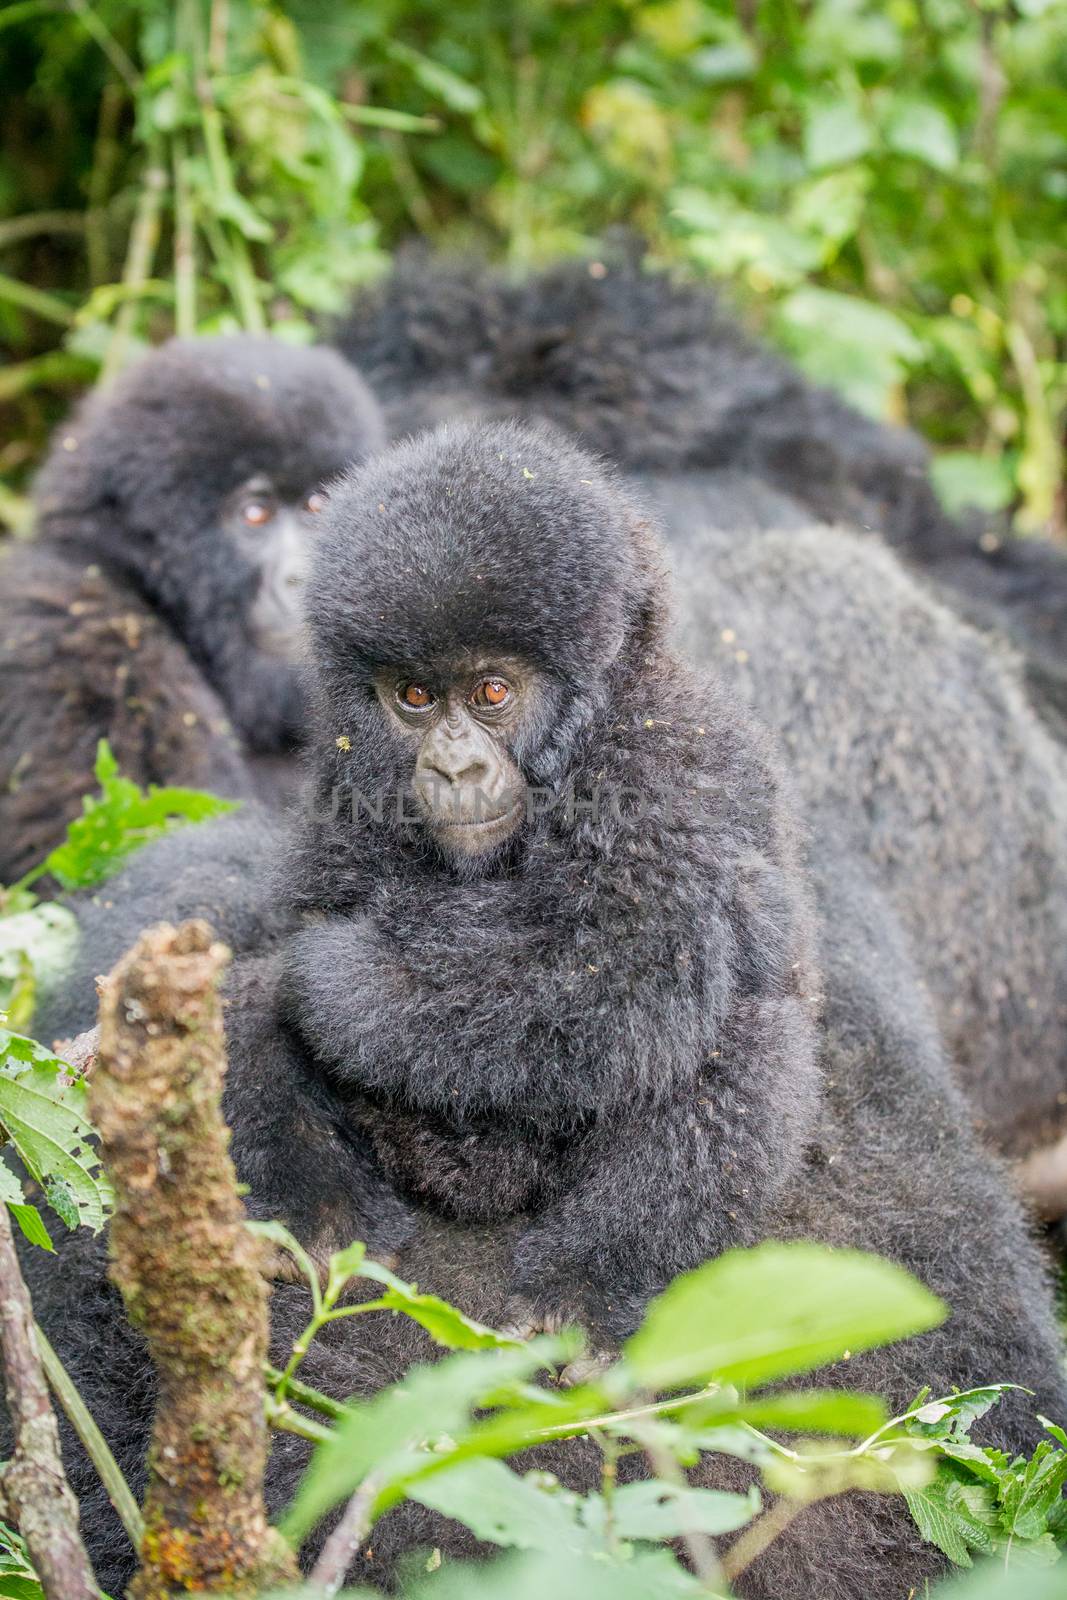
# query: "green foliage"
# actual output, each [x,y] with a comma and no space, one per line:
[753,1316]
[981,1500]
[118,821]
[43,1114]
[776,1311]
[35,946]
[880,185]
[18,1581]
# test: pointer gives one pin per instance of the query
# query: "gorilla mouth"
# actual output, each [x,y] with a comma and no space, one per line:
[478,833]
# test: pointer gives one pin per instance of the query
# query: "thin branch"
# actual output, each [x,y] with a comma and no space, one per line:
[188,1268]
[184,245]
[144,236]
[96,1446]
[102,35]
[759,1534]
[42,304]
[37,1495]
[698,1545]
[338,1552]
[34,223]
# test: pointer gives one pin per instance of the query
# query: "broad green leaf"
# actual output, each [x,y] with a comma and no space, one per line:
[27,1217]
[775,1311]
[499,1506]
[919,128]
[833,1411]
[561,1575]
[654,1510]
[937,1514]
[119,820]
[1030,1497]
[391,1435]
[835,133]
[953,1415]
[445,1324]
[44,1114]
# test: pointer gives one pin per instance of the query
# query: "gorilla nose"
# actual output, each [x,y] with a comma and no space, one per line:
[459,767]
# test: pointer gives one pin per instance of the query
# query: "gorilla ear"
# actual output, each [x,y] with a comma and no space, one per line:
[649,603]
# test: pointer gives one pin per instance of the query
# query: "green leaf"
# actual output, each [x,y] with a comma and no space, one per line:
[857,347]
[36,947]
[918,128]
[503,1508]
[947,1519]
[668,1511]
[834,133]
[438,80]
[1030,1497]
[44,1114]
[119,820]
[778,1310]
[444,1323]
[963,479]
[31,1225]
[563,1575]
[833,1411]
[28,1217]
[391,1435]
[953,1415]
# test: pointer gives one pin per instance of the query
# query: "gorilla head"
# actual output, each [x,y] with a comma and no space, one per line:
[479,599]
[196,480]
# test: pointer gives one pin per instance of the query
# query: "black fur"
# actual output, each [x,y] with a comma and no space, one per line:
[440,995]
[659,378]
[127,617]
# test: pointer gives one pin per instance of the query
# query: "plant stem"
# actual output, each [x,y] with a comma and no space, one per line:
[304,1395]
[281,1416]
[47,306]
[184,245]
[329,1571]
[36,1493]
[144,236]
[34,223]
[103,36]
[759,1534]
[698,1545]
[105,154]
[96,1446]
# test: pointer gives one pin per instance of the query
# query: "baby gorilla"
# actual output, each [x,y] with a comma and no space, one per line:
[559,960]
[159,606]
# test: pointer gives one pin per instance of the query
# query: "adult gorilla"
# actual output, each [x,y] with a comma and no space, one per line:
[159,606]
[661,380]
[551,1054]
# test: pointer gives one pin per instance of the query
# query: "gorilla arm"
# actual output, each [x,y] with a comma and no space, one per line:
[661,1043]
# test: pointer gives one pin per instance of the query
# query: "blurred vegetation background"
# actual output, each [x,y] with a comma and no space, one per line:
[880,186]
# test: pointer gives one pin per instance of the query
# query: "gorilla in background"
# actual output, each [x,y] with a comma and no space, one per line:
[660,379]
[158,606]
[549,1056]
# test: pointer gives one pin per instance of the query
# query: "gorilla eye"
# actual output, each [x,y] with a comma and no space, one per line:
[491,692]
[315,501]
[415,696]
[257,513]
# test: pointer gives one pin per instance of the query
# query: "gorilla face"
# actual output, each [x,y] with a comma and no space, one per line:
[196,480]
[273,534]
[461,724]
